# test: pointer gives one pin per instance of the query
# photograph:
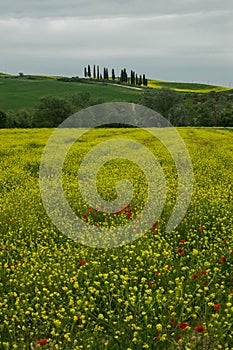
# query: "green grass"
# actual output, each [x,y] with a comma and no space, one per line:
[18,93]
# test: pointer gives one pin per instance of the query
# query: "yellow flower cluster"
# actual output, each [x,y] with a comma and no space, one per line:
[162,291]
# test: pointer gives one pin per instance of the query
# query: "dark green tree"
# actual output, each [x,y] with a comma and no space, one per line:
[85,72]
[98,73]
[80,100]
[89,71]
[162,101]
[140,80]
[94,72]
[132,77]
[51,111]
[122,76]
[105,73]
[144,80]
[125,75]
[113,74]
[3,118]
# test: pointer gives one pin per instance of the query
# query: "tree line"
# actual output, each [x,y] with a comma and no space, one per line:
[191,109]
[181,109]
[132,79]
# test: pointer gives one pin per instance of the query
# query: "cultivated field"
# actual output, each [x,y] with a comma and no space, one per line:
[18,93]
[186,87]
[163,291]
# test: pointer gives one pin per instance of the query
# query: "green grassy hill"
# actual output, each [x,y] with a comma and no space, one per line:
[24,92]
[18,93]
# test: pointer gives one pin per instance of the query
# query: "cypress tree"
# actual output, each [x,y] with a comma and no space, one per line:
[85,72]
[113,74]
[89,71]
[122,76]
[98,72]
[132,78]
[125,76]
[140,81]
[144,80]
[94,72]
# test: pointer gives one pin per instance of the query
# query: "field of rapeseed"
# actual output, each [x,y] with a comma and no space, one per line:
[163,291]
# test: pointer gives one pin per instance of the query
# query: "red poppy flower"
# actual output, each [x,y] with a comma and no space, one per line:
[117,212]
[90,209]
[182,240]
[155,230]
[179,337]
[158,335]
[203,272]
[42,342]
[200,329]
[216,306]
[223,259]
[183,325]
[151,283]
[154,224]
[180,251]
[79,319]
[82,262]
[84,216]
[201,228]
[195,275]
[129,215]
[173,321]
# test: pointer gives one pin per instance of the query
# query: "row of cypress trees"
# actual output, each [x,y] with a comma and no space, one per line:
[124,77]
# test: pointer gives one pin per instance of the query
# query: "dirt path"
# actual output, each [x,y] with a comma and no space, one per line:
[127,87]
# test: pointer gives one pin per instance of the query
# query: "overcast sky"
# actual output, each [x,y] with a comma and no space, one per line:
[179,40]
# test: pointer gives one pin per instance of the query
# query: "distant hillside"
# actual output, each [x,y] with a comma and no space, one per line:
[185,87]
[25,91]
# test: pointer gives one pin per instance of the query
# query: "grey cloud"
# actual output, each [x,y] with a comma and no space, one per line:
[106,8]
[174,40]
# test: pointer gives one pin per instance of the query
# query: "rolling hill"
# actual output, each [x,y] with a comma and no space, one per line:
[25,91]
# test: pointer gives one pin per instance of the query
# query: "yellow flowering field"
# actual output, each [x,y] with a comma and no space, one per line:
[162,291]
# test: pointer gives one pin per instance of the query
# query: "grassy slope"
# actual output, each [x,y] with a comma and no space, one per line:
[24,93]
[16,93]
